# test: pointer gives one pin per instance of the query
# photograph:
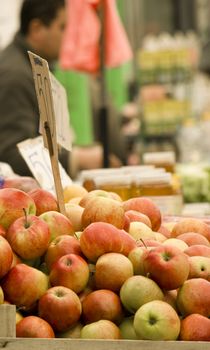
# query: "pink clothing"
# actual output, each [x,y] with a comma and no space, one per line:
[80,49]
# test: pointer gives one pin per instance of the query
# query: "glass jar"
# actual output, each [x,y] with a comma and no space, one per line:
[120,184]
[161,189]
[87,177]
[161,159]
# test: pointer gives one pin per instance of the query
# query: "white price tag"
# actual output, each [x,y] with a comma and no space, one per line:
[52,100]
[38,161]
[61,113]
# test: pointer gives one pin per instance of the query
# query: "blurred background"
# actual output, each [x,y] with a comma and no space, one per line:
[159,100]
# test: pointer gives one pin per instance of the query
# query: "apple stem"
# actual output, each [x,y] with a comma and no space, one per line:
[141,239]
[26,218]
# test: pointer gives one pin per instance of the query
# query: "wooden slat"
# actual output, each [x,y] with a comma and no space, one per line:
[7,320]
[77,344]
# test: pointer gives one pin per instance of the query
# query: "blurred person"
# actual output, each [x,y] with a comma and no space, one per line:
[42,23]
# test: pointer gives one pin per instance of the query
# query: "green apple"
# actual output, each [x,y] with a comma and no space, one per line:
[102,329]
[157,320]
[127,329]
[139,290]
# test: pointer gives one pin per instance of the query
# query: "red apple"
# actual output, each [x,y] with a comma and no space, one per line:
[195,327]
[2,231]
[16,260]
[165,231]
[157,320]
[60,246]
[61,307]
[191,225]
[146,207]
[193,297]
[170,298]
[34,327]
[6,256]
[92,194]
[139,290]
[112,270]
[148,243]
[199,267]
[104,209]
[138,230]
[44,200]
[100,238]
[29,237]
[58,224]
[168,266]
[192,238]
[175,242]
[74,214]
[12,202]
[24,285]
[133,215]
[70,271]
[102,304]
[198,250]
[102,329]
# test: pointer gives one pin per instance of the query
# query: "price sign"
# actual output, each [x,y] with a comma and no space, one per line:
[38,160]
[61,113]
[47,107]
[52,100]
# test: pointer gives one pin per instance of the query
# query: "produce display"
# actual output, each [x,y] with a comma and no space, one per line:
[109,269]
[195,180]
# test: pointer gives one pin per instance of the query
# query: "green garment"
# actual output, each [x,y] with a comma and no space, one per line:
[76,85]
[117,84]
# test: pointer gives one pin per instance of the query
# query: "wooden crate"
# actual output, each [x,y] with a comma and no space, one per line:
[8,340]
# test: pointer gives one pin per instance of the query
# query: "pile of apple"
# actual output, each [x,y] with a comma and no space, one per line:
[107,269]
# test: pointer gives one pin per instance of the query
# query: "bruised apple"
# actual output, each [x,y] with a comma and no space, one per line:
[100,238]
[104,209]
